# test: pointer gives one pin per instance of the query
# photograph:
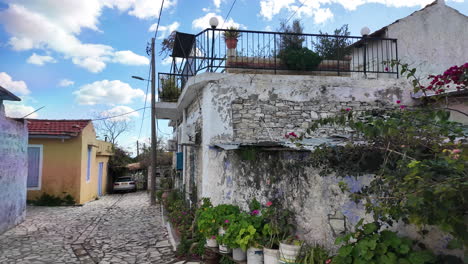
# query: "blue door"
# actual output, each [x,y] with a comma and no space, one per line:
[101,167]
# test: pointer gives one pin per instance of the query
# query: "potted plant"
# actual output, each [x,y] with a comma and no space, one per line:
[226,214]
[279,225]
[231,237]
[231,36]
[206,223]
[289,249]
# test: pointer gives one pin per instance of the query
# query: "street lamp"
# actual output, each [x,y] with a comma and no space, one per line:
[139,78]
[365,31]
[213,23]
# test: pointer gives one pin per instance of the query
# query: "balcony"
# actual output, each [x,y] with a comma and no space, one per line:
[260,52]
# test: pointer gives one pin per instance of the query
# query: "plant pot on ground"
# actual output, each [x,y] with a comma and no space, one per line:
[289,250]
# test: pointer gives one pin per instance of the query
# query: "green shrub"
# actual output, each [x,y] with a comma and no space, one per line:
[301,59]
[51,200]
[371,246]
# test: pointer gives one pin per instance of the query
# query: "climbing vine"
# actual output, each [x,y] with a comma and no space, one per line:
[418,158]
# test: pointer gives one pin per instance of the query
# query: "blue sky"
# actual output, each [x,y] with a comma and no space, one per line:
[76,57]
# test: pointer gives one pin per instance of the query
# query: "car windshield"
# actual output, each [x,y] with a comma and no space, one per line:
[124,179]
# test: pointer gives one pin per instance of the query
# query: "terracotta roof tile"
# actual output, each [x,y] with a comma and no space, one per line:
[56,127]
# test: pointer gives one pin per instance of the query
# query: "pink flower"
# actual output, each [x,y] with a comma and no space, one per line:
[456,156]
[213,237]
[455,151]
[386,69]
[402,106]
[255,212]
[226,221]
[328,261]
[286,136]
[398,101]
[268,204]
[348,109]
[292,134]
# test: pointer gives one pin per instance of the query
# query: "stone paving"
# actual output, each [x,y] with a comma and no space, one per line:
[119,228]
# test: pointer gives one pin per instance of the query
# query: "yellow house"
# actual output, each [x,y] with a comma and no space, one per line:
[64,157]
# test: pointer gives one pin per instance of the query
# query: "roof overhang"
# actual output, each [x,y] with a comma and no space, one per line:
[50,136]
[166,110]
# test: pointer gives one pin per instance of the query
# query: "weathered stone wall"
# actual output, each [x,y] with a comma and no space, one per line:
[270,120]
[323,212]
[13,170]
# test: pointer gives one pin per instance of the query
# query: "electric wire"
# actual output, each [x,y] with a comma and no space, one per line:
[227,16]
[146,99]
[109,117]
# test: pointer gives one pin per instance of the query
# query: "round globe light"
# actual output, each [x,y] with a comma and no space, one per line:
[365,31]
[214,22]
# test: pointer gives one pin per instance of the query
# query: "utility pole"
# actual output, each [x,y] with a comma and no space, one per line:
[138,149]
[153,126]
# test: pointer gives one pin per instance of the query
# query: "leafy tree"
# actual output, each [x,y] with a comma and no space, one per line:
[291,51]
[118,162]
[334,47]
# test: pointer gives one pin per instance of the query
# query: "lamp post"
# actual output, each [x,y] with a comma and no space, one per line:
[153,125]
[213,23]
[365,31]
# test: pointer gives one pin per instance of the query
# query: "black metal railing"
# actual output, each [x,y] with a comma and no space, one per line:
[281,53]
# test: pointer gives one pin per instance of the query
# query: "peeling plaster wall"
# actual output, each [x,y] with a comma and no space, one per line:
[13,171]
[323,212]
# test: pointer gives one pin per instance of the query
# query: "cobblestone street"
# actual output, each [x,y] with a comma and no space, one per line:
[119,228]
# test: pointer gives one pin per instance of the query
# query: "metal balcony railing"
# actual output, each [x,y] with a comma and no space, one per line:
[277,53]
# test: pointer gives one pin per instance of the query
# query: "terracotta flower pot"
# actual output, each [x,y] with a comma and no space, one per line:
[231,43]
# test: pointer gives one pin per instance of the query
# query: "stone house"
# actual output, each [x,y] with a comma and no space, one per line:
[13,166]
[230,126]
[431,39]
[66,158]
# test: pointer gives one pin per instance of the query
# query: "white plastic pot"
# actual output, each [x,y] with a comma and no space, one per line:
[254,255]
[211,242]
[288,253]
[238,254]
[270,256]
[224,249]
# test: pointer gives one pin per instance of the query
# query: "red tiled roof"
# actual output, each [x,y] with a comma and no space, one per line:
[56,127]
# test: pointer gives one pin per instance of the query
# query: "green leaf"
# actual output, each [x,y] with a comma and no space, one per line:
[369,228]
[345,251]
[421,257]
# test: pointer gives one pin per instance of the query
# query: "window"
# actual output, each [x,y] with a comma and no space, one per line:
[34,167]
[88,167]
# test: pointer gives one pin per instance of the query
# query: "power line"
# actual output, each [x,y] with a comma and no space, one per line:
[109,117]
[146,99]
[293,14]
[159,19]
[226,17]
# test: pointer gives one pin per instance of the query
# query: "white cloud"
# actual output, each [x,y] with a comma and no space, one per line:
[204,22]
[66,82]
[16,87]
[40,60]
[168,61]
[164,30]
[57,25]
[129,58]
[322,14]
[270,8]
[122,113]
[107,92]
[145,9]
[17,110]
[217,3]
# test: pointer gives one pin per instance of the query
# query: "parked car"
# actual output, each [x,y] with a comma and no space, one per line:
[124,184]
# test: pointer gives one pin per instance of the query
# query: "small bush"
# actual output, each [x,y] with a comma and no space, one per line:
[51,200]
[301,59]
